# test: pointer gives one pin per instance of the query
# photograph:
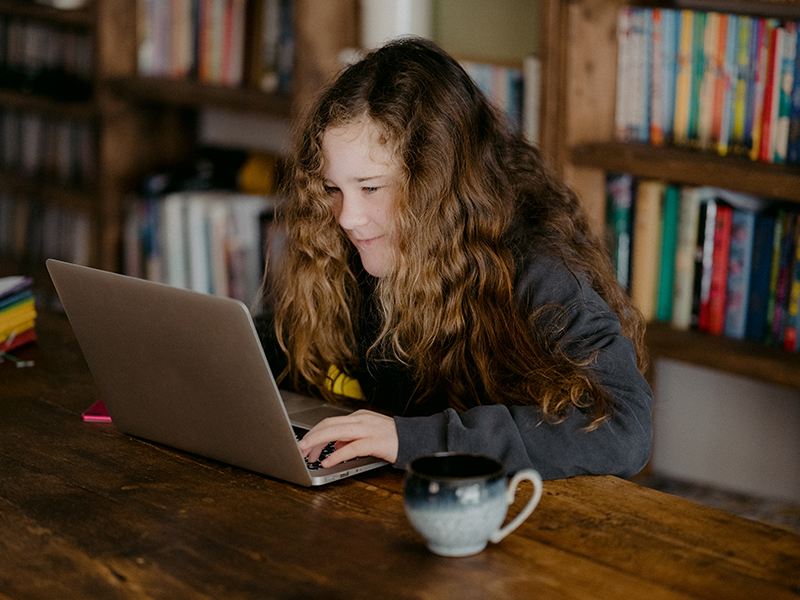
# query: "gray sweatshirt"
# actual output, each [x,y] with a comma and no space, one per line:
[518,436]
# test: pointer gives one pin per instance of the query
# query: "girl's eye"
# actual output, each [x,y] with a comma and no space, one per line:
[331,190]
[370,190]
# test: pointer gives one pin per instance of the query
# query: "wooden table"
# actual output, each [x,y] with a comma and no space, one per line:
[87,512]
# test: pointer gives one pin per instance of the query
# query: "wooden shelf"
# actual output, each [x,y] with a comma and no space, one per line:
[177,92]
[27,102]
[692,167]
[75,198]
[79,17]
[746,359]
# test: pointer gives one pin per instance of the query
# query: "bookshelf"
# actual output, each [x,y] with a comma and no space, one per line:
[135,124]
[580,62]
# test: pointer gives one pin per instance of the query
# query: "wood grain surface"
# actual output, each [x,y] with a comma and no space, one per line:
[88,512]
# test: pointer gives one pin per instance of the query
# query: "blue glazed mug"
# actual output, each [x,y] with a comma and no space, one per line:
[458,502]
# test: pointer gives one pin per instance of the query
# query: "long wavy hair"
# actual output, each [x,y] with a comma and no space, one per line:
[448,309]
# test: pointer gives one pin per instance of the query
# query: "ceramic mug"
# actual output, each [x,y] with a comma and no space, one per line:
[458,502]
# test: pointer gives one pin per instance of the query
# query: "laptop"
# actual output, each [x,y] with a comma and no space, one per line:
[187,370]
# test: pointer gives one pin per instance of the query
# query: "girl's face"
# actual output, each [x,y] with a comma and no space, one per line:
[362,177]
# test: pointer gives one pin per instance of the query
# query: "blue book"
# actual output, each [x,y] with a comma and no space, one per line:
[619,224]
[670,40]
[739,270]
[747,140]
[761,271]
[793,149]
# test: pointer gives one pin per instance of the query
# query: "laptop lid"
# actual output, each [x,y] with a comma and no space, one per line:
[187,370]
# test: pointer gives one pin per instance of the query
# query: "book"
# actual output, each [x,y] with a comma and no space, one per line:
[619,210]
[708,80]
[793,141]
[769,111]
[685,253]
[730,71]
[17,312]
[785,87]
[719,272]
[657,82]
[683,78]
[783,279]
[761,270]
[777,244]
[531,117]
[647,230]
[669,240]
[622,110]
[792,315]
[704,261]
[761,66]
[670,41]
[739,273]
[697,74]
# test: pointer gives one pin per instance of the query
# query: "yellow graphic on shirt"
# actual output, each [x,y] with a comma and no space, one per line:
[341,384]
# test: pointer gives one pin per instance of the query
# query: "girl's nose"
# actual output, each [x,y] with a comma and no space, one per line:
[351,212]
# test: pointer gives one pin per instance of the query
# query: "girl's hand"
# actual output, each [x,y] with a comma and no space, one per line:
[362,433]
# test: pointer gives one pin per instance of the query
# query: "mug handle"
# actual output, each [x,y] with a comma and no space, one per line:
[511,493]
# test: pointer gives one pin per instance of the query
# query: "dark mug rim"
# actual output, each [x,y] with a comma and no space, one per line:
[493,467]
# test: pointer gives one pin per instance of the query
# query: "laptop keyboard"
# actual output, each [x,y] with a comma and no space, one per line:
[326,451]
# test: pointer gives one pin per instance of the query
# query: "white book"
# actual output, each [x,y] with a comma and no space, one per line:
[172,230]
[532,99]
[199,252]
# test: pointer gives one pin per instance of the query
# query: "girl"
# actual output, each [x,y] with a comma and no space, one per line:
[430,255]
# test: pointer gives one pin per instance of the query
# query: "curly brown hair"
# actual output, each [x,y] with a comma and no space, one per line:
[448,308]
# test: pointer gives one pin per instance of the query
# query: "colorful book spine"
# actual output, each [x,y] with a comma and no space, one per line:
[670,39]
[683,78]
[698,72]
[619,207]
[719,273]
[756,34]
[766,27]
[646,246]
[758,293]
[708,84]
[783,277]
[741,85]
[641,36]
[669,241]
[729,78]
[657,81]
[790,327]
[777,244]
[785,87]
[793,142]
[624,61]
[685,253]
[704,263]
[739,273]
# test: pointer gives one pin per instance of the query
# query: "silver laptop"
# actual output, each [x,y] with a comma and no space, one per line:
[187,370]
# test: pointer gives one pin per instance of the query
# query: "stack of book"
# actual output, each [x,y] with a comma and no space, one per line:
[721,82]
[17,313]
[209,241]
[703,258]
[513,90]
[205,40]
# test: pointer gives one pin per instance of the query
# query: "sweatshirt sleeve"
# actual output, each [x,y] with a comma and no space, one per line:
[518,435]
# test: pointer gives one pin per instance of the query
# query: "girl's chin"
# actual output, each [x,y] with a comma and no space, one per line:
[374,265]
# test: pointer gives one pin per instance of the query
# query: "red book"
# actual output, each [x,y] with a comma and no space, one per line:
[773,63]
[719,269]
[18,340]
